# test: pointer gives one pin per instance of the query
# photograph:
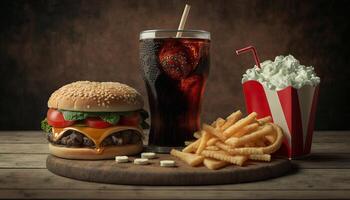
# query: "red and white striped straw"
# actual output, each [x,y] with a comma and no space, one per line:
[255,55]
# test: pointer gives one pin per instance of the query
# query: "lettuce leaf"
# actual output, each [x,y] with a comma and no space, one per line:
[45,126]
[73,115]
[111,118]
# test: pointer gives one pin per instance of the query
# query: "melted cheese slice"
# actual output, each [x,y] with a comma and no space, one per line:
[95,134]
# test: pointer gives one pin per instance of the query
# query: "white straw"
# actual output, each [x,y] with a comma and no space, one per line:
[183,20]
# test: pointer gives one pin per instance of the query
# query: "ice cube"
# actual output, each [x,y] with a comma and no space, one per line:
[175,59]
[195,48]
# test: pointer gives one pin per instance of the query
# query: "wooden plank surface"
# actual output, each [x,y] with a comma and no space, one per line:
[177,194]
[24,148]
[325,174]
[324,161]
[308,179]
[23,161]
[331,136]
[22,137]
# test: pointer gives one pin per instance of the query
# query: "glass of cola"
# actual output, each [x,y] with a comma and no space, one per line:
[175,70]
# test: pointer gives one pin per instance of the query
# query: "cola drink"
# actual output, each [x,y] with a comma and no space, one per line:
[175,73]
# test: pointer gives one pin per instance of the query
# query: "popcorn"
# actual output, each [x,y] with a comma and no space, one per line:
[284,71]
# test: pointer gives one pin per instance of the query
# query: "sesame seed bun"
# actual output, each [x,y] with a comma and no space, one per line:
[96,97]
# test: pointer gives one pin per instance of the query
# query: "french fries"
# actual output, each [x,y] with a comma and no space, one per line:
[247,129]
[240,124]
[240,151]
[212,148]
[277,143]
[233,140]
[191,159]
[270,138]
[203,143]
[212,141]
[233,118]
[213,131]
[192,147]
[214,164]
[238,159]
[220,122]
[265,120]
[260,157]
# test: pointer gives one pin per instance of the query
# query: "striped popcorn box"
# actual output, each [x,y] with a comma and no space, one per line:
[292,109]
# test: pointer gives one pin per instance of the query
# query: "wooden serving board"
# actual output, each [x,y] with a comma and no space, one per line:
[108,171]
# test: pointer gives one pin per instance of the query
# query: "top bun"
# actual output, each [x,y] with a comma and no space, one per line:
[96,97]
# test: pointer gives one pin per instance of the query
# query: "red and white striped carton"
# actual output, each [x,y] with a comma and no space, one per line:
[292,109]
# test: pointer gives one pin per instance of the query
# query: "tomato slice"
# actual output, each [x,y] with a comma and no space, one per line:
[55,118]
[130,120]
[96,122]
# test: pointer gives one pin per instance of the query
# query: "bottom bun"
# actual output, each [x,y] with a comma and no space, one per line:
[92,154]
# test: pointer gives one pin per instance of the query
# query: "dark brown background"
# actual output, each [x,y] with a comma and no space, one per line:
[45,44]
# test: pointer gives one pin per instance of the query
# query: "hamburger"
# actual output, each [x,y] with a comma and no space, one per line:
[95,120]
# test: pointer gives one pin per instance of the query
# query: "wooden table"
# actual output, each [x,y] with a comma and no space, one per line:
[323,175]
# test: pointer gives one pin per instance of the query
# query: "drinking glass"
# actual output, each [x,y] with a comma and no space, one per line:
[175,70]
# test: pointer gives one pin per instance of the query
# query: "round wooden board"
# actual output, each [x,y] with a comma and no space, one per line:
[108,171]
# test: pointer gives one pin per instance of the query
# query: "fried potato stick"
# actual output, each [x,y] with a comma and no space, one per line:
[214,164]
[249,144]
[265,120]
[277,143]
[261,157]
[212,141]
[212,148]
[221,155]
[270,138]
[239,151]
[191,159]
[239,124]
[220,122]
[192,147]
[203,143]
[213,124]
[236,142]
[247,129]
[213,131]
[230,120]
[260,143]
